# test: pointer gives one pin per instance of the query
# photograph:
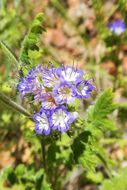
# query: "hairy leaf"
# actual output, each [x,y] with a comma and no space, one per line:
[86,147]
[118,182]
[30,43]
[102,107]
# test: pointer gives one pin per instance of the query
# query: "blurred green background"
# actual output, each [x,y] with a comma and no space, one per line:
[76,31]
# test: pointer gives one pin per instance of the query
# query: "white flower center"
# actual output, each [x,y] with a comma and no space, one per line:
[60,118]
[69,74]
[65,92]
[52,79]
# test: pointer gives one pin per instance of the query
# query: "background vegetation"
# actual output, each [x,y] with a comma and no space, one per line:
[93,154]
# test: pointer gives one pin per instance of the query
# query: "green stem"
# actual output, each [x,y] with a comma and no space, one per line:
[14,105]
[43,153]
[9,54]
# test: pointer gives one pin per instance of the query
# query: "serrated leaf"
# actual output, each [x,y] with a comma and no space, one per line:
[105,124]
[77,146]
[118,182]
[86,147]
[30,42]
[103,106]
[89,160]
[96,177]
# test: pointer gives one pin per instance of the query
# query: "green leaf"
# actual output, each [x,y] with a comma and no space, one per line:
[106,124]
[46,185]
[41,182]
[20,170]
[96,177]
[53,150]
[86,148]
[77,146]
[39,178]
[10,176]
[118,182]
[88,160]
[30,44]
[103,106]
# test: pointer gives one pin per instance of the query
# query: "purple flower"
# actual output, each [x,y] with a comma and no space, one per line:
[61,119]
[50,77]
[33,72]
[42,122]
[39,90]
[32,83]
[26,86]
[117,26]
[28,83]
[64,93]
[52,88]
[70,74]
[48,101]
[83,89]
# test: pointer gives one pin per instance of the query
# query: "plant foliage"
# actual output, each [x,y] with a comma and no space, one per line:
[30,46]
[86,146]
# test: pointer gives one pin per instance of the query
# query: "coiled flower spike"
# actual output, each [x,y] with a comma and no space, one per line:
[55,89]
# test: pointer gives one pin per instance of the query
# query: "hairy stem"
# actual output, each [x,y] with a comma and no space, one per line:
[43,154]
[14,105]
[9,54]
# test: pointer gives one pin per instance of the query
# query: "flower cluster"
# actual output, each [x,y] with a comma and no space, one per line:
[55,89]
[117,26]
